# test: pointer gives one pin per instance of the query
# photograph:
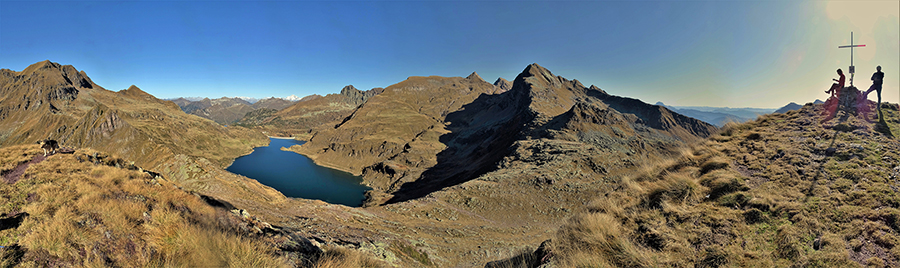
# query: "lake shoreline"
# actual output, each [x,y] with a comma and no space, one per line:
[298,176]
[313,158]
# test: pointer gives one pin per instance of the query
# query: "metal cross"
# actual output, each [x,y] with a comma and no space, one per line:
[851,46]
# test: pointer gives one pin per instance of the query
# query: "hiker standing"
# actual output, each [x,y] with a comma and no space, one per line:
[877,80]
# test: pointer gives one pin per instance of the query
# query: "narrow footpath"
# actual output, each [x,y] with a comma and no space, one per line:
[14,175]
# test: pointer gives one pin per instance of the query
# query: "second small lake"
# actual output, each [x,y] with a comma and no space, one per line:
[295,175]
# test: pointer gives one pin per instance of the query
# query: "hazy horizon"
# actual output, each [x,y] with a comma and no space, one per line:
[719,54]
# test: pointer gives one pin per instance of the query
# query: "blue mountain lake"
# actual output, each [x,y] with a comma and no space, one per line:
[295,175]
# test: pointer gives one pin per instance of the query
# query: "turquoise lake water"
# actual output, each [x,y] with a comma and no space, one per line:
[295,175]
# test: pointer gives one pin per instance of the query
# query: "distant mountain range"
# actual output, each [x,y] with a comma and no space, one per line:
[719,116]
[251,100]
[297,120]
[226,110]
[309,113]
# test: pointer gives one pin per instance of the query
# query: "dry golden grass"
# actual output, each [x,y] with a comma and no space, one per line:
[600,234]
[768,193]
[17,155]
[96,215]
[339,257]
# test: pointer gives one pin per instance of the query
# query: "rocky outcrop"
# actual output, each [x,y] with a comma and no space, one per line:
[356,97]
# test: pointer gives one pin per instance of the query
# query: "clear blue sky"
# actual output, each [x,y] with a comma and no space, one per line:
[735,53]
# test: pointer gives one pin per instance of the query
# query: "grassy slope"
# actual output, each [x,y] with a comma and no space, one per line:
[86,214]
[80,211]
[783,190]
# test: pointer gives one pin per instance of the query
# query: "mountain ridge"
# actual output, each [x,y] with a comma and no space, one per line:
[430,145]
[798,188]
[83,114]
[309,113]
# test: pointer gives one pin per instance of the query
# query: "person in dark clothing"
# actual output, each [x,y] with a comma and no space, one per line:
[836,87]
[877,80]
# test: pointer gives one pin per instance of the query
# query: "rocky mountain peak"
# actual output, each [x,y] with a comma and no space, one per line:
[135,92]
[536,70]
[44,83]
[502,85]
[356,96]
[350,91]
[474,76]
[60,75]
[47,64]
[535,74]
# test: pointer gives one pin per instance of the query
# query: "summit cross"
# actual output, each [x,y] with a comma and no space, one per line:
[851,46]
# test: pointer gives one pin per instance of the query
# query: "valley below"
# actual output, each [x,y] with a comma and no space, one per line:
[460,173]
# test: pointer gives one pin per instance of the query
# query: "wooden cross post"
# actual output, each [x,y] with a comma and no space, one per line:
[851,46]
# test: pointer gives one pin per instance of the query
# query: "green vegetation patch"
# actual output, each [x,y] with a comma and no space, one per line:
[403,249]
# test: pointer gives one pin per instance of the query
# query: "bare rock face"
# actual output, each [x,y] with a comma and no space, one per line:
[356,96]
[848,99]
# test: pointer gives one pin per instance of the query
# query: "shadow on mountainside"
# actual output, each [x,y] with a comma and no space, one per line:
[481,134]
[660,118]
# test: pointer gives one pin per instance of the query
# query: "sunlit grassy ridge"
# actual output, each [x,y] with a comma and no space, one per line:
[781,191]
[86,214]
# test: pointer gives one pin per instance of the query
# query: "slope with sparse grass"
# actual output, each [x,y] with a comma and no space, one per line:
[78,212]
[784,190]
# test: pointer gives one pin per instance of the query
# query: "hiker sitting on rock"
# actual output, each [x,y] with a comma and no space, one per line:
[877,80]
[836,87]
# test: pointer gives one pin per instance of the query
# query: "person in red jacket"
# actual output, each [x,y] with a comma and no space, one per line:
[836,87]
